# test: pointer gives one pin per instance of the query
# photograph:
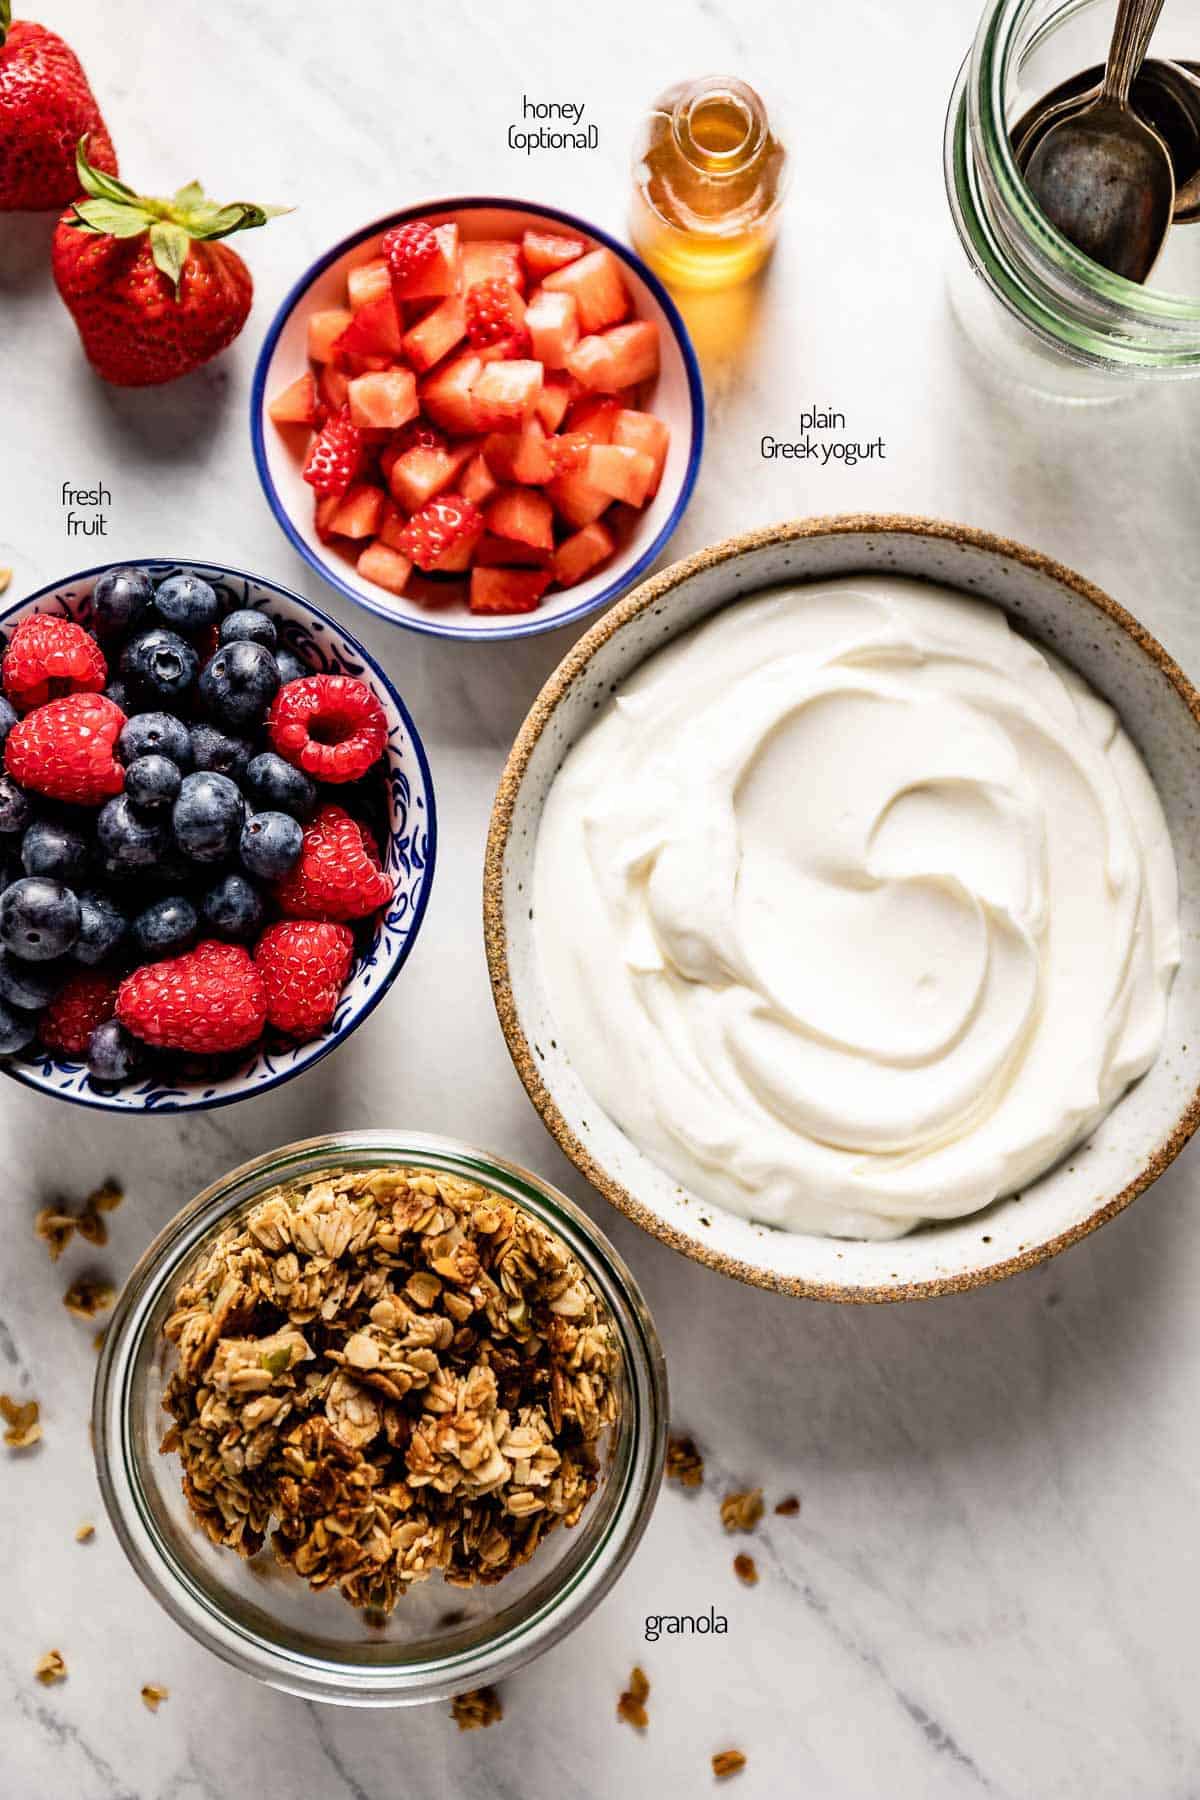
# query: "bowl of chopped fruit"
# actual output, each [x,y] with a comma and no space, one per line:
[380,1417]
[478,418]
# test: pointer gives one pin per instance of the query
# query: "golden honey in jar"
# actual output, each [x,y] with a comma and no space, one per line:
[708,179]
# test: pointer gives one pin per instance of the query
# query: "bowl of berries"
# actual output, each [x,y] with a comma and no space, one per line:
[217,836]
[479,419]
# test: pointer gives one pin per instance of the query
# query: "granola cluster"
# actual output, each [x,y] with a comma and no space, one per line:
[389,1372]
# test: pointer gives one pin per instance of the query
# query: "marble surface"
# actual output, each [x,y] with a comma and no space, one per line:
[993,1581]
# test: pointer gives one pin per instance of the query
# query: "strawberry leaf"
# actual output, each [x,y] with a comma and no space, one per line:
[210,221]
[111,218]
[5,20]
[188,197]
[169,246]
[95,182]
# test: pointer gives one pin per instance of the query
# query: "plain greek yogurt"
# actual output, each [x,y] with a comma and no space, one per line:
[855,909]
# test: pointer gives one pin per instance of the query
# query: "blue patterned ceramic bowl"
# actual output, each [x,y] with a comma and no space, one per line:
[407,851]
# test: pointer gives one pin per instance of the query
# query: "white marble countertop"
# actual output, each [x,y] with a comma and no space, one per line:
[992,1586]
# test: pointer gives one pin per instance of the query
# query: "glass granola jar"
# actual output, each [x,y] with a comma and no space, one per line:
[1039,311]
[440,1640]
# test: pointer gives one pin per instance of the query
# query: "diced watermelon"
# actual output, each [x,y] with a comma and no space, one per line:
[324,329]
[370,281]
[520,455]
[386,568]
[544,251]
[644,431]
[361,511]
[374,330]
[486,258]
[446,394]
[598,287]
[593,417]
[579,554]
[505,394]
[524,514]
[333,386]
[552,321]
[478,483]
[577,499]
[417,475]
[557,393]
[507,590]
[621,472]
[440,276]
[508,553]
[385,401]
[297,404]
[437,333]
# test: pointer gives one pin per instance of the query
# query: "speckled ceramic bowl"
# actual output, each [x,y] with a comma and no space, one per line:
[1158,706]
[407,847]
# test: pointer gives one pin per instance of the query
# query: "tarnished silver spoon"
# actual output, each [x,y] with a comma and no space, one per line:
[1101,174]
[1165,94]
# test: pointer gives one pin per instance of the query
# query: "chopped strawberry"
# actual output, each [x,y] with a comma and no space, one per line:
[368,282]
[577,499]
[437,333]
[526,455]
[303,964]
[643,431]
[374,331]
[597,286]
[297,404]
[620,471]
[383,401]
[324,330]
[507,590]
[436,529]
[495,317]
[545,251]
[582,552]
[446,394]
[336,456]
[485,259]
[508,553]
[523,514]
[558,391]
[478,484]
[553,326]
[423,260]
[620,358]
[360,511]
[505,394]
[386,568]
[48,657]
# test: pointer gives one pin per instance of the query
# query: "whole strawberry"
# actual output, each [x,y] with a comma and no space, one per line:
[46,106]
[151,290]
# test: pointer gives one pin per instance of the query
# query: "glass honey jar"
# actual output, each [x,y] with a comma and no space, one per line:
[708,181]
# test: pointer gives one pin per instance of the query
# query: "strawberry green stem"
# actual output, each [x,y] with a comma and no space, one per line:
[5,20]
[112,209]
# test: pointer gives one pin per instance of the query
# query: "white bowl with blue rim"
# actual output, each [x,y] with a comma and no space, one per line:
[407,850]
[677,398]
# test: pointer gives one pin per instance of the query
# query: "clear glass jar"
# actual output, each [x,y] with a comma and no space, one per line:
[262,1618]
[1040,312]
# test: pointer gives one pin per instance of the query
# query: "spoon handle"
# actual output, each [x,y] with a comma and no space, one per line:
[1132,31]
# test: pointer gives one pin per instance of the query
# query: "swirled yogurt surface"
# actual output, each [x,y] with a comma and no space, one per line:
[856,909]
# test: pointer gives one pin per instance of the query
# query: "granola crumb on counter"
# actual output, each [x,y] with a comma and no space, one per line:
[85,1533]
[787,1509]
[153,1696]
[22,1429]
[57,1224]
[631,1707]
[88,1296]
[742,1511]
[727,1762]
[745,1568]
[51,1668]
[684,1462]
[476,1710]
[5,578]
[391,1373]
[98,1339]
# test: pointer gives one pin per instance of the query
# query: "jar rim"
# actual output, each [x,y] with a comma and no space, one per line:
[639,1447]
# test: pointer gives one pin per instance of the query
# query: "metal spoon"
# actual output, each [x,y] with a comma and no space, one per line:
[1102,175]
[1165,94]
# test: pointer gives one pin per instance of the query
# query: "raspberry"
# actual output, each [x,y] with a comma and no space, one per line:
[408,249]
[336,456]
[304,964]
[83,1002]
[331,726]
[210,1000]
[439,525]
[496,316]
[337,875]
[48,657]
[65,749]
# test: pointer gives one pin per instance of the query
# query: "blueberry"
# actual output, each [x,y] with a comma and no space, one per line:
[8,719]
[27,985]
[102,925]
[186,603]
[39,919]
[152,781]
[113,1055]
[15,810]
[165,927]
[254,627]
[216,750]
[207,816]
[275,786]
[159,663]
[239,684]
[119,598]
[233,908]
[49,848]
[269,844]
[16,1030]
[290,667]
[155,734]
[127,839]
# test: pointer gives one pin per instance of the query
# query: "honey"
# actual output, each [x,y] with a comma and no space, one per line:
[709,175]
